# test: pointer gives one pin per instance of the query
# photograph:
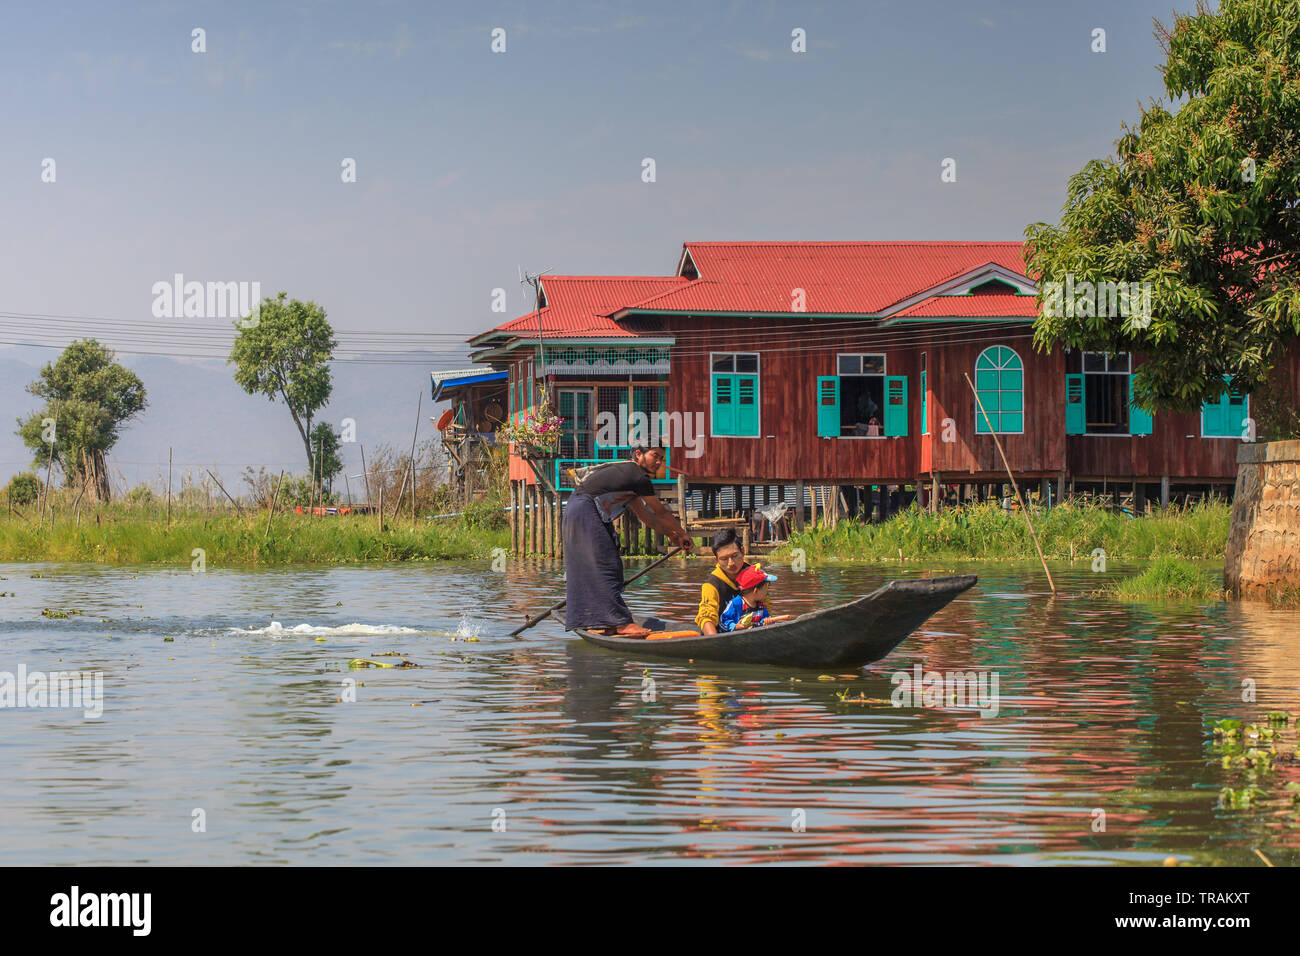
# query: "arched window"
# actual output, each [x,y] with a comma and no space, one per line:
[1000,382]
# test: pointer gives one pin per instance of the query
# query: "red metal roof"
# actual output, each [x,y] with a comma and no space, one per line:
[579,305]
[837,277]
[971,306]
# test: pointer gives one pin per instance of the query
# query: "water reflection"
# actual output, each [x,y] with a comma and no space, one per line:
[593,756]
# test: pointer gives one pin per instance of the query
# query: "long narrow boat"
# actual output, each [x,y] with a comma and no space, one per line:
[848,635]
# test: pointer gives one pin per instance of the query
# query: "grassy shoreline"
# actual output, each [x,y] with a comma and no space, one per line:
[125,535]
[230,540]
[984,532]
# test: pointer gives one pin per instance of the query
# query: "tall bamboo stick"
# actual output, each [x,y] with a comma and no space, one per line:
[1014,487]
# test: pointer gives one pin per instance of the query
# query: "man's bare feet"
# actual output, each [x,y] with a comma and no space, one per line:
[627,630]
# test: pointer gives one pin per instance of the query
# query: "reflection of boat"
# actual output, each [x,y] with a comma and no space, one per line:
[850,634]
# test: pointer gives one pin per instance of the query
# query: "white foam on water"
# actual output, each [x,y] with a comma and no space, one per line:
[276,629]
[468,628]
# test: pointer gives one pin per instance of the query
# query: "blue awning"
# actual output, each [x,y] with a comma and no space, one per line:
[441,384]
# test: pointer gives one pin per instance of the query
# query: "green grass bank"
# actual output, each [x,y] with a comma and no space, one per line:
[122,537]
[984,532]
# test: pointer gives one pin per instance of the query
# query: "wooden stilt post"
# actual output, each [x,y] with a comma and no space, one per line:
[1164,491]
[681,500]
[559,514]
[934,493]
[514,517]
[798,505]
[543,525]
[812,499]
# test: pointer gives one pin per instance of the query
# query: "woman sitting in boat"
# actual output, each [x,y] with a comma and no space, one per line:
[748,608]
[593,569]
[716,593]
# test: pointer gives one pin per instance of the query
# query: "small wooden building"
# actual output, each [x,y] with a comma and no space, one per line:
[478,398]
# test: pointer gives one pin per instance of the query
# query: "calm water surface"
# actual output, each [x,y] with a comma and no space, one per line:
[1103,707]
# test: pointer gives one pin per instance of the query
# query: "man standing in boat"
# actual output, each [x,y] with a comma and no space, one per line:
[592,565]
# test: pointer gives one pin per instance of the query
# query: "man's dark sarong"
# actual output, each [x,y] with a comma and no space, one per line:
[593,569]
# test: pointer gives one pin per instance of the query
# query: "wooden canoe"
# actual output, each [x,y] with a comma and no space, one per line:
[848,635]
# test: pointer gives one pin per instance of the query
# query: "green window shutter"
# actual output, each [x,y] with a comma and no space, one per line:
[925,407]
[1075,413]
[896,406]
[724,405]
[1139,419]
[1238,412]
[828,406]
[747,405]
[1214,419]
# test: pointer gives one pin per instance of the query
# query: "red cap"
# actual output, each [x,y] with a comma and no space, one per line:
[752,577]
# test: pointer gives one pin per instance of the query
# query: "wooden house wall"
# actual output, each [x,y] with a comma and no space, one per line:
[1174,448]
[1038,450]
[789,448]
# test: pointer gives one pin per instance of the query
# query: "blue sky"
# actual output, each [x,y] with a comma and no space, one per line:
[225,165]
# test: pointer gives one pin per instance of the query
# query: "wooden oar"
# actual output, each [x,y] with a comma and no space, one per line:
[555,607]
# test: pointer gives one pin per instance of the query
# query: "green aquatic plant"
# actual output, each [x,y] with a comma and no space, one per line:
[54,613]
[1243,799]
[1168,578]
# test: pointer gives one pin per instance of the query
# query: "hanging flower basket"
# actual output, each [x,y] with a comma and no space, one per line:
[535,452]
[536,435]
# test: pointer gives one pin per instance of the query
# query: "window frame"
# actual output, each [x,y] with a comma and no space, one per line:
[1236,435]
[882,375]
[1083,370]
[758,390]
[978,417]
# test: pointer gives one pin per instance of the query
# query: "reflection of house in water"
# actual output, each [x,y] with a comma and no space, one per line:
[478,407]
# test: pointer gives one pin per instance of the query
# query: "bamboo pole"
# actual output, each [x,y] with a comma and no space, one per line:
[225,492]
[49,465]
[370,501]
[271,510]
[1014,487]
[419,407]
[169,487]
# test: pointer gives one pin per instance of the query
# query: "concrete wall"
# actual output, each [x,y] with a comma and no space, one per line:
[1264,539]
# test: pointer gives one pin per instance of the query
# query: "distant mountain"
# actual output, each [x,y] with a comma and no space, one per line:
[197,410]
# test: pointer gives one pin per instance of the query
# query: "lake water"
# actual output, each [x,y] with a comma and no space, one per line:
[546,750]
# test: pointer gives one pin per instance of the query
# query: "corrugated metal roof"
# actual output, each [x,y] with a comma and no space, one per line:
[836,277]
[579,305]
[459,373]
[972,306]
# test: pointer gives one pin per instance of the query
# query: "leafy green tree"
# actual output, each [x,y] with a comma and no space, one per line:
[285,354]
[325,442]
[1202,200]
[23,489]
[89,397]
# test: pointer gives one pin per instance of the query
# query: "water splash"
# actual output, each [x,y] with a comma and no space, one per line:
[276,629]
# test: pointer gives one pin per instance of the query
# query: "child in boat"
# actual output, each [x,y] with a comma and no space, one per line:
[749,607]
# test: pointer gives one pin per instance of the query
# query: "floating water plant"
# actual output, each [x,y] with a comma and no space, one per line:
[55,613]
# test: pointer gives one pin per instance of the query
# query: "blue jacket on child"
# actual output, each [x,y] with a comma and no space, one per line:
[737,617]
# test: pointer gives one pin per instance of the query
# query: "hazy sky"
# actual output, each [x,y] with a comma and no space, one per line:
[225,165]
